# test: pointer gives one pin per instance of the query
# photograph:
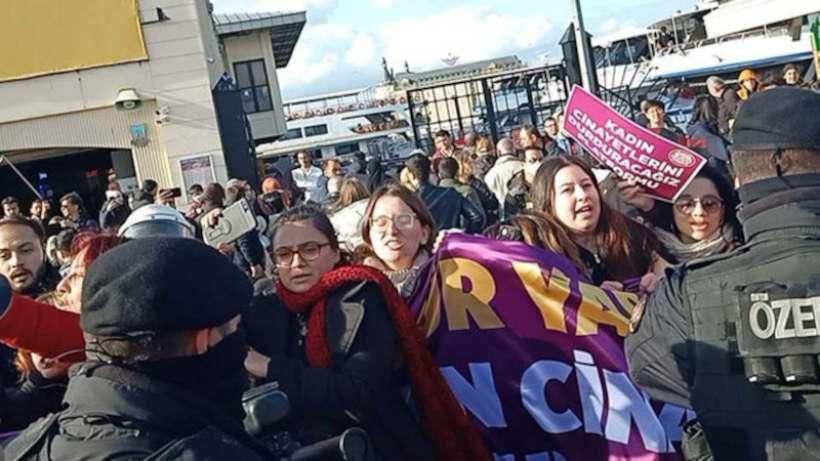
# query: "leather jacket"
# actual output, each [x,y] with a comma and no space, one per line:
[450,209]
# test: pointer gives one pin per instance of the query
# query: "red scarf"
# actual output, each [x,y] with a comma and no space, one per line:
[446,423]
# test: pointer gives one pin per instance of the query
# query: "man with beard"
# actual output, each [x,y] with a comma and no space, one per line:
[23,263]
[164,374]
[11,207]
[22,256]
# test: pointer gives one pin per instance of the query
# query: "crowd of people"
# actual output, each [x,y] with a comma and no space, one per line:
[163,333]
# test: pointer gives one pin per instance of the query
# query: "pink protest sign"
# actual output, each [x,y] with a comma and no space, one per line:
[632,152]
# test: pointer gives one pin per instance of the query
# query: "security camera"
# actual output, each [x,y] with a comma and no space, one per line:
[127,99]
[161,115]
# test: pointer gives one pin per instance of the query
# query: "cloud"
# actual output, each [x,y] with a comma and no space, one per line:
[610,31]
[381,3]
[609,26]
[362,50]
[470,32]
[332,57]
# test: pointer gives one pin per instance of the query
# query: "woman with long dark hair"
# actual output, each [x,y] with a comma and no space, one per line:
[613,248]
[343,346]
[703,133]
[702,222]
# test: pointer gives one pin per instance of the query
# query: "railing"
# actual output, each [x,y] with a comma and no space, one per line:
[492,105]
[682,48]
[346,108]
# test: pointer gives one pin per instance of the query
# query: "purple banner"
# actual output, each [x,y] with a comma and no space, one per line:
[534,352]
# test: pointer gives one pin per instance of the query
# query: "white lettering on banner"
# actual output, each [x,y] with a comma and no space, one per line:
[793,320]
[629,138]
[625,403]
[535,399]
[624,153]
[589,384]
[481,398]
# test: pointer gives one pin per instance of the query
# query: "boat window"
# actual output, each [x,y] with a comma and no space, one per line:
[292,133]
[622,52]
[315,130]
[342,149]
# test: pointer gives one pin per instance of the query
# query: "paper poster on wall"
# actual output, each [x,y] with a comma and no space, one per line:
[196,170]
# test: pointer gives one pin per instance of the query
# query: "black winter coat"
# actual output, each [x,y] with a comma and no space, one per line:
[31,400]
[117,414]
[728,104]
[363,386]
[488,200]
[450,209]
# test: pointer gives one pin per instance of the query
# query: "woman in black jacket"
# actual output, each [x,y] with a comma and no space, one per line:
[466,175]
[703,132]
[341,343]
[39,393]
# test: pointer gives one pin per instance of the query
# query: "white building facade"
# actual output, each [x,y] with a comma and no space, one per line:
[133,100]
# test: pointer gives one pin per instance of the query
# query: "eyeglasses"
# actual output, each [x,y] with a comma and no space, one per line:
[709,203]
[402,221]
[283,257]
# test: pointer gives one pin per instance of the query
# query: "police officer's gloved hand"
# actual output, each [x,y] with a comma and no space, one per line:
[5,294]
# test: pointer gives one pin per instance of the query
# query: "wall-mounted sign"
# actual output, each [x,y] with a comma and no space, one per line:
[139,135]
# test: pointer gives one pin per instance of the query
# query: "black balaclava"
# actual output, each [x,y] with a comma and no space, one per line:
[217,376]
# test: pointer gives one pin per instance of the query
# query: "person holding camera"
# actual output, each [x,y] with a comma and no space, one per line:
[74,215]
[164,375]
[115,209]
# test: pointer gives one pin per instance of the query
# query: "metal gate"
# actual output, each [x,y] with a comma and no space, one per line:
[493,106]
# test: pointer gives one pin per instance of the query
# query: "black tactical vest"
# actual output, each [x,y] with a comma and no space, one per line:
[755,343]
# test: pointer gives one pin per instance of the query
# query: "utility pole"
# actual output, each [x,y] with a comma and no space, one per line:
[584,53]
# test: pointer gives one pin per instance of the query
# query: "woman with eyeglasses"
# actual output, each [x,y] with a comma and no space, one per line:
[613,248]
[701,222]
[398,232]
[342,343]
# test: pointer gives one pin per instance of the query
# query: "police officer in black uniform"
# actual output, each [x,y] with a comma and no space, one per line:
[736,337]
[164,374]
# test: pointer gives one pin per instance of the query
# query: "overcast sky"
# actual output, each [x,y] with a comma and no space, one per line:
[344,40]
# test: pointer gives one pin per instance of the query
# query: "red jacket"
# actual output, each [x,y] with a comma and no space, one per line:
[41,328]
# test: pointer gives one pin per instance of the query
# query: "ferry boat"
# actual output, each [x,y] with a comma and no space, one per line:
[717,37]
[343,123]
